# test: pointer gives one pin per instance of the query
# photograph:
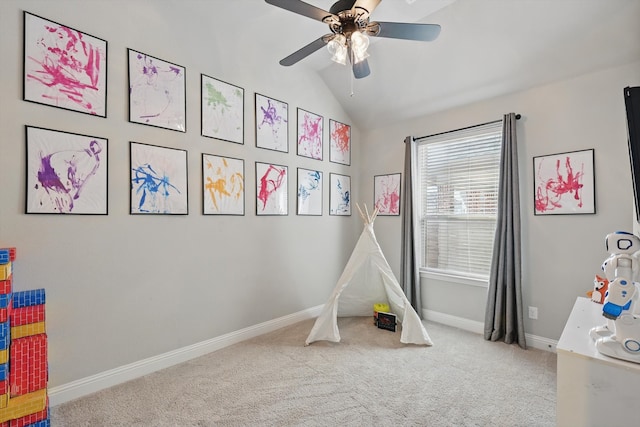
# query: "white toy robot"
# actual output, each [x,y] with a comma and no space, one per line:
[620,337]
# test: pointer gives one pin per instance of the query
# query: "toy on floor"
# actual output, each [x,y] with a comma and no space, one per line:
[23,352]
[600,286]
[620,337]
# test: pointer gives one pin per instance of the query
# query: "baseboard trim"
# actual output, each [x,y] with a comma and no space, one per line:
[455,321]
[85,386]
[533,341]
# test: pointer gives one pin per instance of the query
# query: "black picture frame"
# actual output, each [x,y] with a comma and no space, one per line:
[564,183]
[272,123]
[223,185]
[51,78]
[157,92]
[66,173]
[159,180]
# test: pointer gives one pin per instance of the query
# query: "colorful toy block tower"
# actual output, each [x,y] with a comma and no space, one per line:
[23,352]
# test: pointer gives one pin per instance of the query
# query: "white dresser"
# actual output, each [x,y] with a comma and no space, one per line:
[593,389]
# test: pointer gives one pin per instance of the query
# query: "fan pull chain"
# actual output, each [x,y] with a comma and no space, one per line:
[351,73]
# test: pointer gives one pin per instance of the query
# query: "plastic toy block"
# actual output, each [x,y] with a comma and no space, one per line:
[10,253]
[5,286]
[5,300]
[4,356]
[25,315]
[4,371]
[29,420]
[4,387]
[27,298]
[24,405]
[5,271]
[4,315]
[4,424]
[5,256]
[27,330]
[4,400]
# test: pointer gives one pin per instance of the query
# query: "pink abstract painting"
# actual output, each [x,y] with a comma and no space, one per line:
[271,189]
[309,134]
[564,183]
[63,67]
[387,194]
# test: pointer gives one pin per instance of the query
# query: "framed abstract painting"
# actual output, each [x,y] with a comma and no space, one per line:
[66,173]
[386,194]
[272,123]
[222,185]
[339,194]
[309,192]
[222,110]
[158,180]
[564,183]
[157,92]
[64,67]
[271,189]
[310,128]
[339,142]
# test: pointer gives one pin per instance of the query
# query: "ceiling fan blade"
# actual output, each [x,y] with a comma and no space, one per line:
[304,52]
[361,69]
[302,8]
[365,6]
[407,31]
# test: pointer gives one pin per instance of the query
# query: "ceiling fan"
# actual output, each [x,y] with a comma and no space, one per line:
[350,28]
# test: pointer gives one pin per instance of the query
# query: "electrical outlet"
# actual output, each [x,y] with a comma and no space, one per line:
[533,312]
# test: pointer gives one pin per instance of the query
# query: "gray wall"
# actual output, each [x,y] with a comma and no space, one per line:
[561,253]
[122,288]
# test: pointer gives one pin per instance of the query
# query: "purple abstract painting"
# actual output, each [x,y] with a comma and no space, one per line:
[66,173]
[156,92]
[272,117]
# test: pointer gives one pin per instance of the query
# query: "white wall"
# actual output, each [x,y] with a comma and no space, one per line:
[122,288]
[561,253]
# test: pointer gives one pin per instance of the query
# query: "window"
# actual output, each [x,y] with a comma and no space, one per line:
[457,179]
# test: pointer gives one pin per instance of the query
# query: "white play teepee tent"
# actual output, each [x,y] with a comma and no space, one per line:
[367,280]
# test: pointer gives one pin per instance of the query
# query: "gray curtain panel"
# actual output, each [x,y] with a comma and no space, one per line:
[410,280]
[504,312]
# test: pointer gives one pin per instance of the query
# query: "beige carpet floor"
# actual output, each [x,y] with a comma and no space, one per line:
[368,379]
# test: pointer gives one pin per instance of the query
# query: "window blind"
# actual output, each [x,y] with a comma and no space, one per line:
[458,187]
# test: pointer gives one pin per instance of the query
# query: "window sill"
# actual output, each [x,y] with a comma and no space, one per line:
[461,280]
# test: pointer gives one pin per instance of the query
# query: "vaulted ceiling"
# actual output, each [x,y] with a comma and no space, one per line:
[486,48]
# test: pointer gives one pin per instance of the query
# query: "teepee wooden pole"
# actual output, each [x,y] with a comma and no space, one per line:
[375,214]
[361,213]
[367,211]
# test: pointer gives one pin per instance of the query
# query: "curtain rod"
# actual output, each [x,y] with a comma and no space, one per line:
[518,116]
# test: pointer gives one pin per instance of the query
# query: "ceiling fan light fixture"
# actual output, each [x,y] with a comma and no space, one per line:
[337,47]
[359,46]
